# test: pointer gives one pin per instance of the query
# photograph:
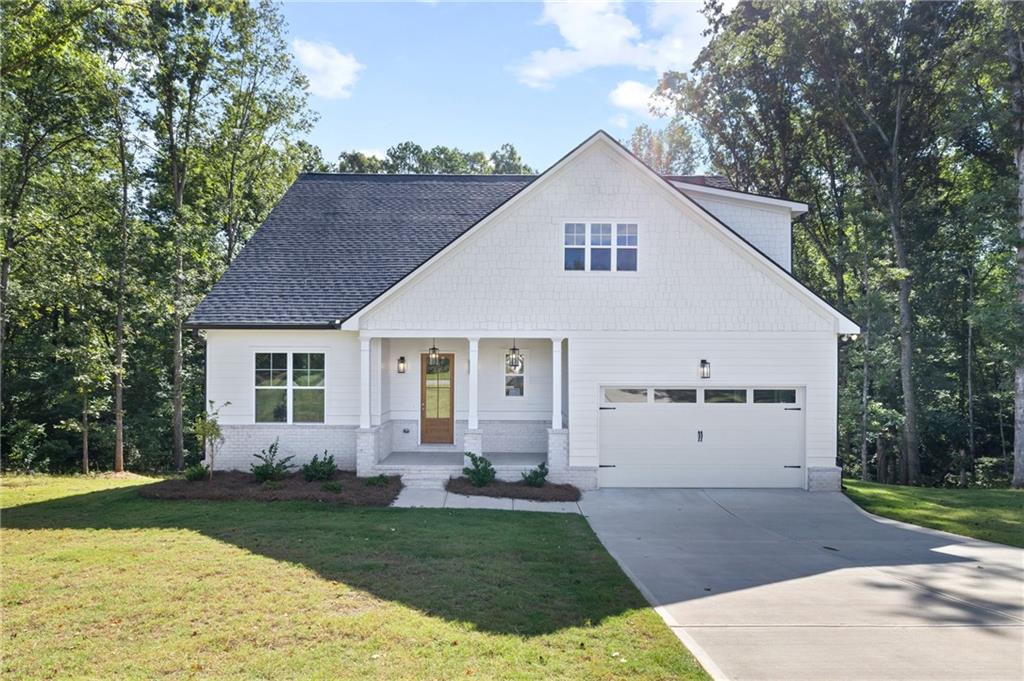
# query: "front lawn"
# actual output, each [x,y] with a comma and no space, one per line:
[991,514]
[99,582]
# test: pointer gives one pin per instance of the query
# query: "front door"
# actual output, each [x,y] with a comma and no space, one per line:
[437,399]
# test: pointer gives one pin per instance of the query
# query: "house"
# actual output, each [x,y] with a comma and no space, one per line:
[627,328]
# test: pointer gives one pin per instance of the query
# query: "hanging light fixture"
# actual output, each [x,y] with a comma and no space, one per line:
[433,354]
[514,359]
[705,369]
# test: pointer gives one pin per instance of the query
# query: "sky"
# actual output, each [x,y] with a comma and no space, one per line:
[543,76]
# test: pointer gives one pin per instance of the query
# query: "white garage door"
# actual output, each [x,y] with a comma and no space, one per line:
[652,436]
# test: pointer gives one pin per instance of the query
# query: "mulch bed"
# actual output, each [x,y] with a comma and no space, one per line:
[229,485]
[514,490]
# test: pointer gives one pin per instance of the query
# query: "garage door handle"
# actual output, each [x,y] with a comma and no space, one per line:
[700,436]
[792,408]
[606,465]
[792,466]
[603,408]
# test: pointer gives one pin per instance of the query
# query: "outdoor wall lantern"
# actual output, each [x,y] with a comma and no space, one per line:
[433,354]
[401,364]
[705,369]
[514,360]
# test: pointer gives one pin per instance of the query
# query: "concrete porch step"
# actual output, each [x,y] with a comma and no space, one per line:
[431,480]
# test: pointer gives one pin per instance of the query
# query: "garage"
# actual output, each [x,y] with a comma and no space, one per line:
[658,436]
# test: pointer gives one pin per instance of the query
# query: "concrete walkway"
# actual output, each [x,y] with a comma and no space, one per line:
[413,497]
[781,584]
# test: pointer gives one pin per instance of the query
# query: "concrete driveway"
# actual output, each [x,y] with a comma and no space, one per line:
[780,584]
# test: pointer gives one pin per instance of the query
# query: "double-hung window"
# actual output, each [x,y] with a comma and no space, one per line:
[600,246]
[289,387]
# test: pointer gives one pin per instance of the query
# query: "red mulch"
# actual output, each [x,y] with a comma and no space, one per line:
[514,490]
[229,485]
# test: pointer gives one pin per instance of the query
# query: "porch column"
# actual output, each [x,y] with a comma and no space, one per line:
[474,388]
[556,383]
[364,382]
[473,440]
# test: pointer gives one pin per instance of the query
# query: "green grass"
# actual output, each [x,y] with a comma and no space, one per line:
[101,583]
[991,514]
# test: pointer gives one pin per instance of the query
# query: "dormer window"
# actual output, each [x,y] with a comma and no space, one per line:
[600,246]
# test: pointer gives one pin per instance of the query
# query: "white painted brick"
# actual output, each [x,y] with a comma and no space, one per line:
[303,442]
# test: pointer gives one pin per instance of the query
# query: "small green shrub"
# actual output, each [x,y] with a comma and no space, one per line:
[320,469]
[331,487]
[992,472]
[537,477]
[196,472]
[269,466]
[480,471]
[378,481]
[273,484]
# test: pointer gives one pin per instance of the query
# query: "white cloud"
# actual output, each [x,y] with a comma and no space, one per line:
[620,120]
[331,74]
[633,96]
[600,34]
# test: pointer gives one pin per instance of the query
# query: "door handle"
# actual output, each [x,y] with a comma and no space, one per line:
[700,436]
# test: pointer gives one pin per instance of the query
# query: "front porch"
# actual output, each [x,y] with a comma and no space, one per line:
[426,400]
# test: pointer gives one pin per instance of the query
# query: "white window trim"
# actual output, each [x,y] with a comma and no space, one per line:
[288,387]
[587,246]
[505,375]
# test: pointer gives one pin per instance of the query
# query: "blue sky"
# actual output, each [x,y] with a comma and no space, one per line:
[475,75]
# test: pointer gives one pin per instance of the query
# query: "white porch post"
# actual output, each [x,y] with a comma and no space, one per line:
[364,382]
[556,383]
[473,440]
[474,383]
[377,380]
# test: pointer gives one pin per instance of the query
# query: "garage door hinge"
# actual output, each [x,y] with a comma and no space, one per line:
[606,465]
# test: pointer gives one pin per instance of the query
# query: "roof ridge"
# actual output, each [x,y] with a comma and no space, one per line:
[423,175]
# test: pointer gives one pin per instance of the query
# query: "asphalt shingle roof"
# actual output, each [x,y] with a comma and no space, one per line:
[335,242]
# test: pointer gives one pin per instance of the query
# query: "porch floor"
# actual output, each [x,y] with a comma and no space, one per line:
[455,458]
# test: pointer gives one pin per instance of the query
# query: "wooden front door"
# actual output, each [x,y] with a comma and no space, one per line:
[437,399]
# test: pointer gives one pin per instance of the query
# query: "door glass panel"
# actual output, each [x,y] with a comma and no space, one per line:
[722,396]
[439,388]
[775,397]
[625,394]
[684,396]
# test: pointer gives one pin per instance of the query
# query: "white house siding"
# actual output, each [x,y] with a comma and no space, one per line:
[766,227]
[230,362]
[509,275]
[775,360]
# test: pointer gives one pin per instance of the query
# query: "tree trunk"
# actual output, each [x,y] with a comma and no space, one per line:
[911,458]
[85,435]
[179,440]
[881,460]
[119,324]
[1015,53]
[5,277]
[864,380]
[968,460]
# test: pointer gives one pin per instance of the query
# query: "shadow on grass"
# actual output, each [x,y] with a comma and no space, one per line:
[525,574]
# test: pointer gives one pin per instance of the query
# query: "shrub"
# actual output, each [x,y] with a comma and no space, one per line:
[480,471]
[992,472]
[195,472]
[331,487]
[320,469]
[378,481]
[537,477]
[269,466]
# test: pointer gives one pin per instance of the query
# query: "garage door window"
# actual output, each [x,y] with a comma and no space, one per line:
[676,395]
[625,395]
[775,397]
[723,396]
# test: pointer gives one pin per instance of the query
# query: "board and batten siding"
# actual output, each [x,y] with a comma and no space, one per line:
[800,360]
[509,275]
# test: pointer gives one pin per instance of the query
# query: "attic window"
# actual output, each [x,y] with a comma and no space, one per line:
[600,246]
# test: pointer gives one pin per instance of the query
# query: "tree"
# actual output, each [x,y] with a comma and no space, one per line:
[507,161]
[358,162]
[1015,53]
[669,151]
